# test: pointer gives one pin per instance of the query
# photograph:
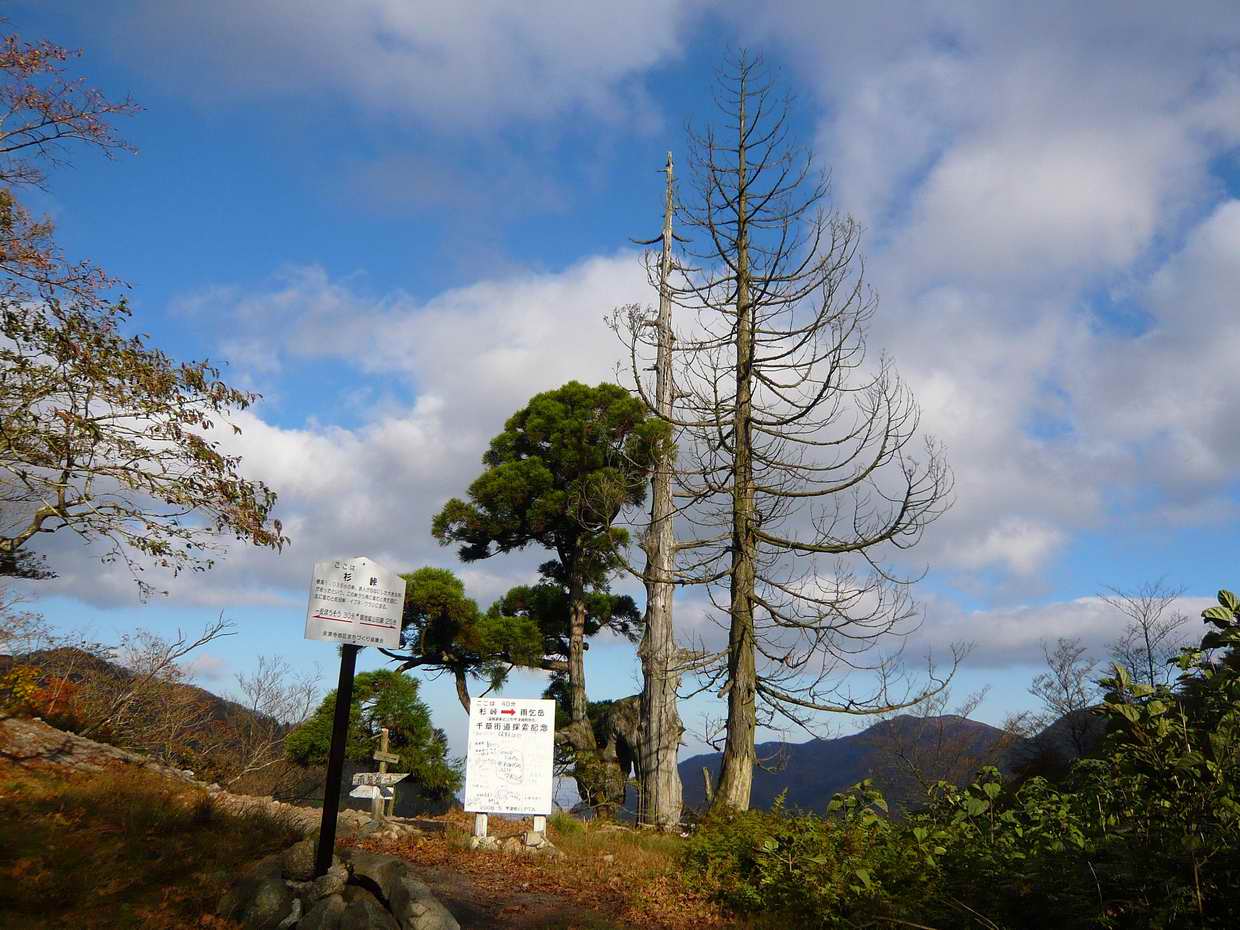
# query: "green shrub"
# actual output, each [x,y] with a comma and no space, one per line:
[565,824]
[805,870]
[1147,835]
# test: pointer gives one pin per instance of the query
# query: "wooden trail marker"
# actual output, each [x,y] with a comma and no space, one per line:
[383,757]
[381,779]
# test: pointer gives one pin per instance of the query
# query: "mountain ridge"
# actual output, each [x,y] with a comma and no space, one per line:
[950,747]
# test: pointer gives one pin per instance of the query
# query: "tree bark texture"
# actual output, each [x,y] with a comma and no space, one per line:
[739,754]
[661,797]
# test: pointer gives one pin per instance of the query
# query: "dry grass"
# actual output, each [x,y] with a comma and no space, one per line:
[122,848]
[633,877]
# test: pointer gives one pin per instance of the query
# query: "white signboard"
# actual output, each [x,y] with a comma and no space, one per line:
[355,601]
[372,791]
[378,778]
[511,746]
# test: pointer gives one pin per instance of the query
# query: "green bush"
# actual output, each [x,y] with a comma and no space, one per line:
[565,824]
[804,870]
[1147,835]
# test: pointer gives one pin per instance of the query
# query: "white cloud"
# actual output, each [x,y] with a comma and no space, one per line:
[1014,635]
[1022,545]
[1011,163]
[472,356]
[208,669]
[471,65]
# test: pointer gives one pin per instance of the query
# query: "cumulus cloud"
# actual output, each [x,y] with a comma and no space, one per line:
[471,66]
[1018,170]
[208,669]
[1022,172]
[1014,635]
[469,356]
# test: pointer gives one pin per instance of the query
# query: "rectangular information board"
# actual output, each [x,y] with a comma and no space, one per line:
[355,601]
[511,755]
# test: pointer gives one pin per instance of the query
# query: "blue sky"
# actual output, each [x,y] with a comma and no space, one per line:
[399,220]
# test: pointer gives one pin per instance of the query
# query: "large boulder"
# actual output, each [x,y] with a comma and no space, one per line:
[324,915]
[374,871]
[298,860]
[363,911]
[257,903]
[417,909]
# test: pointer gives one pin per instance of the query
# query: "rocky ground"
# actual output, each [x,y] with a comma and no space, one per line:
[33,743]
[444,884]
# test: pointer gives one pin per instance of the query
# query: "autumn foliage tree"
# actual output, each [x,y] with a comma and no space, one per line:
[101,434]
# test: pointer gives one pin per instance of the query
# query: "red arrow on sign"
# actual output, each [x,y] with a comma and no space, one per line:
[508,711]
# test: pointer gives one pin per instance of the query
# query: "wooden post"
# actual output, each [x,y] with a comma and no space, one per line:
[710,791]
[376,802]
[383,757]
[480,825]
[335,760]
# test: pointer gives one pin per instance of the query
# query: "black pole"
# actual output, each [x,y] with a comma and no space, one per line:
[335,761]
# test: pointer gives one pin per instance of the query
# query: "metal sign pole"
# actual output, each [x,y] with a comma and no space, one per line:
[335,760]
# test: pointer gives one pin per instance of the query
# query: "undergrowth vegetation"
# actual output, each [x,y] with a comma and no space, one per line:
[119,849]
[1145,834]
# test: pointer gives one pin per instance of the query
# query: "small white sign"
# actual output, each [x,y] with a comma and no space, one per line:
[355,601]
[378,778]
[372,791]
[511,756]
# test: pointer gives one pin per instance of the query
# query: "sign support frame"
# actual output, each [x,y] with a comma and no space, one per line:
[335,760]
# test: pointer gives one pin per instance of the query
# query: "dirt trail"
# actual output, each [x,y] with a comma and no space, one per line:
[479,907]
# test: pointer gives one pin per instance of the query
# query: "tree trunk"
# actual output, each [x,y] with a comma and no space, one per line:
[661,729]
[576,651]
[462,687]
[601,770]
[594,781]
[739,755]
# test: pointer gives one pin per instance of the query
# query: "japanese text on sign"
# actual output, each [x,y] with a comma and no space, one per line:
[511,746]
[355,601]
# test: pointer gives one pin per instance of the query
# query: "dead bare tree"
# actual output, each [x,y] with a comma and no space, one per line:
[1152,637]
[144,704]
[1067,690]
[660,791]
[797,468]
[247,744]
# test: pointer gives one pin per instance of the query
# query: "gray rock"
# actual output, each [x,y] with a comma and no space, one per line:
[292,918]
[257,903]
[374,871]
[298,860]
[268,867]
[324,915]
[362,911]
[416,908]
[332,882]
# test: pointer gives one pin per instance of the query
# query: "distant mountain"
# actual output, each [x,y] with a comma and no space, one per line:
[949,747]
